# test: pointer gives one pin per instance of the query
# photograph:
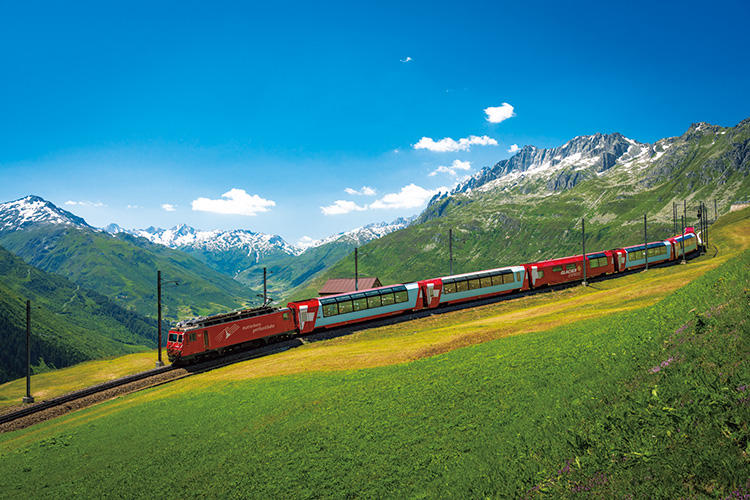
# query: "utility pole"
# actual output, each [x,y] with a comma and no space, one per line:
[645,241]
[450,251]
[700,224]
[265,292]
[583,246]
[356,269]
[674,218]
[159,362]
[705,226]
[684,209]
[682,241]
[716,211]
[28,398]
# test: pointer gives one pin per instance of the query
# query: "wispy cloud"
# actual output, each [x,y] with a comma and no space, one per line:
[513,148]
[134,206]
[234,202]
[410,196]
[169,207]
[451,170]
[365,191]
[499,113]
[85,203]
[406,60]
[447,144]
[340,207]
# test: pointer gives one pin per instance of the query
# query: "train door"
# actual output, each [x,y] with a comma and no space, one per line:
[205,339]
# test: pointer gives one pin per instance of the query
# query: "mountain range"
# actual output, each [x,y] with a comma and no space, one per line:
[243,254]
[121,268]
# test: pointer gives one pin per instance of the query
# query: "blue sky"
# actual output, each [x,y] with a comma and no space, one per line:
[148,113]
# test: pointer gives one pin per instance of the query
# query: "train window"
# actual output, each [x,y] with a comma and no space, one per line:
[497,279]
[387,299]
[485,281]
[449,288]
[474,284]
[401,296]
[345,306]
[570,267]
[518,275]
[557,269]
[179,339]
[173,337]
[360,304]
[508,278]
[462,286]
[330,310]
[285,316]
[374,301]
[540,273]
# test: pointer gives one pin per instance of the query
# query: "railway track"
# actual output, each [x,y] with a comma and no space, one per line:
[60,405]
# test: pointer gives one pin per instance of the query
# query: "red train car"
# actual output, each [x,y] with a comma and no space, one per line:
[566,269]
[221,333]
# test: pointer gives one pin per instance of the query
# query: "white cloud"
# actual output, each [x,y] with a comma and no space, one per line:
[134,206]
[499,113]
[513,148]
[411,196]
[342,207]
[447,144]
[456,165]
[365,191]
[408,59]
[169,207]
[85,203]
[234,202]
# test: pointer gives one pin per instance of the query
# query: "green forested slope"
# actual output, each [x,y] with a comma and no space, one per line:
[69,323]
[124,269]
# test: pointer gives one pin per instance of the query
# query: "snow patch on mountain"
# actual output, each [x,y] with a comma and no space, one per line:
[184,236]
[19,214]
[360,235]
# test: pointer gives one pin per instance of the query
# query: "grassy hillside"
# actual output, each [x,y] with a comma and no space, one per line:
[54,383]
[648,401]
[69,323]
[124,270]
[512,226]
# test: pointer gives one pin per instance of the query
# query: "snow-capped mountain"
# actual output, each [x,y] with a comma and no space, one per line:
[360,235]
[31,209]
[184,236]
[556,169]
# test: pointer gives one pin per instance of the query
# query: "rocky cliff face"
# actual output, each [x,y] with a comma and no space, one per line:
[713,154]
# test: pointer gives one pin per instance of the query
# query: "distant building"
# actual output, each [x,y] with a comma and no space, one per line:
[344,285]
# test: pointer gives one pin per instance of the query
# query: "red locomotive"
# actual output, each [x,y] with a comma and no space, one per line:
[215,335]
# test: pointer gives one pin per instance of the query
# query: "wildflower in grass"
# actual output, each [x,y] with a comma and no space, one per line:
[741,388]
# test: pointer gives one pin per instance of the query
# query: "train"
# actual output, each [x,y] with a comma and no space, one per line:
[210,336]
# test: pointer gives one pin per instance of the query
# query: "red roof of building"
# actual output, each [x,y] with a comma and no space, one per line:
[344,285]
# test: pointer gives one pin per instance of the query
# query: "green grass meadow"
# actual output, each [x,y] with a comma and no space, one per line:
[652,403]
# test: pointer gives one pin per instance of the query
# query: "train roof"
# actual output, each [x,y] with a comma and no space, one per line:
[570,259]
[509,269]
[215,319]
